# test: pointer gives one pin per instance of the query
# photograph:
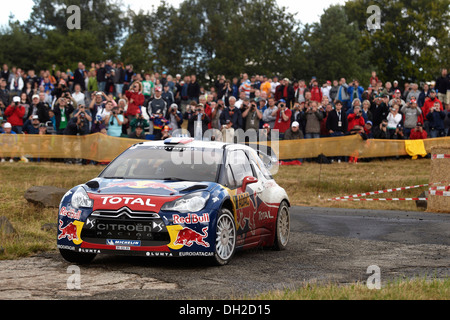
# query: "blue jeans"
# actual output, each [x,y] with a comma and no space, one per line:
[312,135]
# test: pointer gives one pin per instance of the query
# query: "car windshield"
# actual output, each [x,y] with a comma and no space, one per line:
[166,163]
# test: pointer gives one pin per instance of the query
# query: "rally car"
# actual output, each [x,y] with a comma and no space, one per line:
[176,198]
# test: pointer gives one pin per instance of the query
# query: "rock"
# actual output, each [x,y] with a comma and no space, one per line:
[6,226]
[49,227]
[46,196]
[422,203]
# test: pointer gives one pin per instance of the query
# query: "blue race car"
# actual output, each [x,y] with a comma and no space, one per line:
[175,198]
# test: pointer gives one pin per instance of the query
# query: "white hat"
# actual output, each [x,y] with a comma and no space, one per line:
[16,99]
[295,124]
[7,125]
[35,96]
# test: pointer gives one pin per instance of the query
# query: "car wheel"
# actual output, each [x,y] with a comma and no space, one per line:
[283,227]
[77,257]
[225,238]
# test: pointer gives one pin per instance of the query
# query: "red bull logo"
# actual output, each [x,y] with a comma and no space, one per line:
[140,185]
[191,218]
[69,231]
[188,236]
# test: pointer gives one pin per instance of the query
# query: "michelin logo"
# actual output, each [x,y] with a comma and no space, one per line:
[130,243]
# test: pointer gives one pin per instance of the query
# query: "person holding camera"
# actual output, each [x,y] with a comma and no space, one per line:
[282,118]
[175,117]
[436,121]
[411,113]
[356,118]
[381,131]
[394,118]
[198,122]
[418,133]
[135,100]
[312,117]
[252,116]
[62,109]
[231,117]
[15,113]
[114,121]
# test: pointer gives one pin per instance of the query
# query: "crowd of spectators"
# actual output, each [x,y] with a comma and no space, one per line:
[115,100]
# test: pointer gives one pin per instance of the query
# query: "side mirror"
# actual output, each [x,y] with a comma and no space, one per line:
[248,180]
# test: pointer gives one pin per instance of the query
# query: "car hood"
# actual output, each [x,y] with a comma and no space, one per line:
[148,187]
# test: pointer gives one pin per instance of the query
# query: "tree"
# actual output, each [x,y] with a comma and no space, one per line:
[413,43]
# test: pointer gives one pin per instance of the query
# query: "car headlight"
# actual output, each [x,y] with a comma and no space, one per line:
[81,199]
[191,203]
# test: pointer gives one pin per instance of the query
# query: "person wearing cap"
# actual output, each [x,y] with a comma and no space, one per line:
[165,133]
[368,129]
[38,108]
[293,132]
[411,113]
[10,141]
[138,133]
[15,113]
[430,102]
[32,126]
[418,133]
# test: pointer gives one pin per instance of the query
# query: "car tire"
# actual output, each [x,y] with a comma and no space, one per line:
[225,238]
[282,229]
[77,257]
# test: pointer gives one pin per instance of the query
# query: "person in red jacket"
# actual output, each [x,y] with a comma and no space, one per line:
[316,93]
[429,103]
[135,100]
[15,113]
[418,133]
[355,118]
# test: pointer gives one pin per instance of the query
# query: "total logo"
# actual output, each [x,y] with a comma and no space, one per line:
[127,200]
[191,218]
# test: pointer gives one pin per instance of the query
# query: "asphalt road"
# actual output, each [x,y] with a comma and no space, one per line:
[326,245]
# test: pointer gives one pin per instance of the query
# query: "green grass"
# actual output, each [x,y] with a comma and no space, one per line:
[414,289]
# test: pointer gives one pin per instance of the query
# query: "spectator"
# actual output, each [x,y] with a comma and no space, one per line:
[418,133]
[80,76]
[114,121]
[293,132]
[158,122]
[379,109]
[139,121]
[337,122]
[447,120]
[193,89]
[77,126]
[175,117]
[252,116]
[381,131]
[316,93]
[199,121]
[411,114]
[167,95]
[231,116]
[312,117]
[4,92]
[430,102]
[148,88]
[355,91]
[138,133]
[368,129]
[413,93]
[119,79]
[165,134]
[399,133]
[442,86]
[282,118]
[342,94]
[423,95]
[334,90]
[355,118]
[397,99]
[367,114]
[32,126]
[63,109]
[435,119]
[216,111]
[15,113]
[37,108]
[268,113]
[300,92]
[394,118]
[78,95]
[135,100]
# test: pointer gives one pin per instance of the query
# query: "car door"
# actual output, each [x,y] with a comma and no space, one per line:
[238,166]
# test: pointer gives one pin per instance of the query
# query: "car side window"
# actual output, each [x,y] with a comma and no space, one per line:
[240,166]
[231,183]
